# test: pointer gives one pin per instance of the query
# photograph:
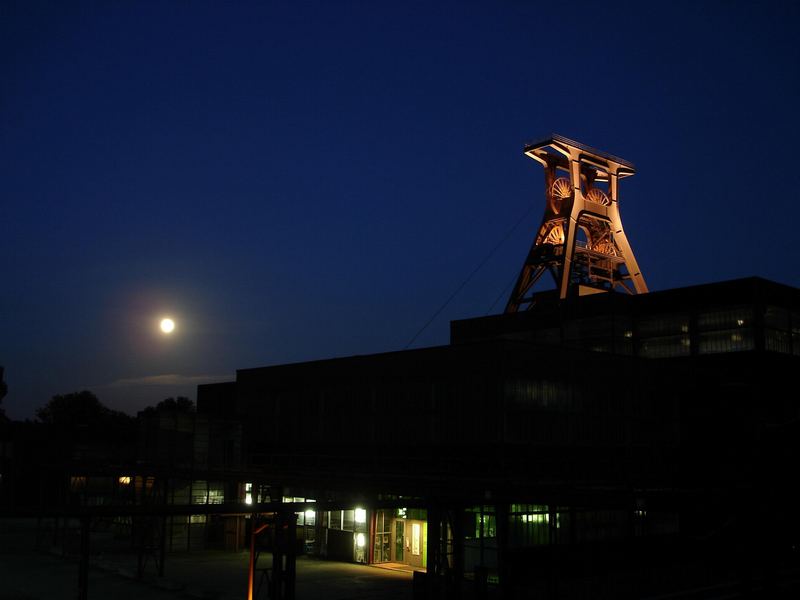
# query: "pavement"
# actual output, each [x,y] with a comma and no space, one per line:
[46,574]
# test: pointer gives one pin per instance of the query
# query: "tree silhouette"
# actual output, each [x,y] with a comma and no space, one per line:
[179,404]
[82,413]
[75,409]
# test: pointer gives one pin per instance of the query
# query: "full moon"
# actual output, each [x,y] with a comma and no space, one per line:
[167,325]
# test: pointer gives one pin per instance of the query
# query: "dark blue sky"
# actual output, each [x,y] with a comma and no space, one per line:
[295,181]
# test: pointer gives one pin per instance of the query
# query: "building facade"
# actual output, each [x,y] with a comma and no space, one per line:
[579,423]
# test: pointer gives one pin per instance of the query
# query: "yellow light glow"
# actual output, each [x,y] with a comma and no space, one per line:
[361,515]
[125,480]
[361,540]
[167,325]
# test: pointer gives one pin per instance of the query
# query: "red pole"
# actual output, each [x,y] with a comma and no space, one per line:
[251,573]
[252,558]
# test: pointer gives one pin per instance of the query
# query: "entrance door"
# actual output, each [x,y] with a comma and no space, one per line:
[415,543]
[399,540]
[383,531]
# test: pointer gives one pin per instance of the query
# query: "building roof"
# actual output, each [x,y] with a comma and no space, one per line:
[560,139]
[548,310]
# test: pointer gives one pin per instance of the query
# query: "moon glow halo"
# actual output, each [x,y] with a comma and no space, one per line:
[167,325]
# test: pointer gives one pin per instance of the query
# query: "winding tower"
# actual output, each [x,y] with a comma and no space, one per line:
[580,242]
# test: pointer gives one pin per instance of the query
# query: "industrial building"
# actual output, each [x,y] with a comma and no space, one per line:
[591,415]
[591,428]
[588,420]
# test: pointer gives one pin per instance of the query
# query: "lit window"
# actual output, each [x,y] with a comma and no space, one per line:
[361,540]
[216,496]
[248,493]
[729,340]
[536,518]
[199,492]
[125,480]
[361,515]
[725,319]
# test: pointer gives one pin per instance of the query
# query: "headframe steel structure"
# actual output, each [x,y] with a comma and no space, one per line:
[580,242]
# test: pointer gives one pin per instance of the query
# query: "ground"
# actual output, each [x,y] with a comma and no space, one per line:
[46,573]
[30,574]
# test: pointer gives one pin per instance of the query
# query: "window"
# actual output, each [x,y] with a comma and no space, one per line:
[725,319]
[795,326]
[661,325]
[216,494]
[665,347]
[482,523]
[730,340]
[729,330]
[623,335]
[778,341]
[777,330]
[664,336]
[530,524]
[537,394]
[595,334]
[383,536]
[546,336]
[776,318]
[199,492]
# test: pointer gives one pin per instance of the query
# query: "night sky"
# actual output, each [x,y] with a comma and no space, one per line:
[293,181]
